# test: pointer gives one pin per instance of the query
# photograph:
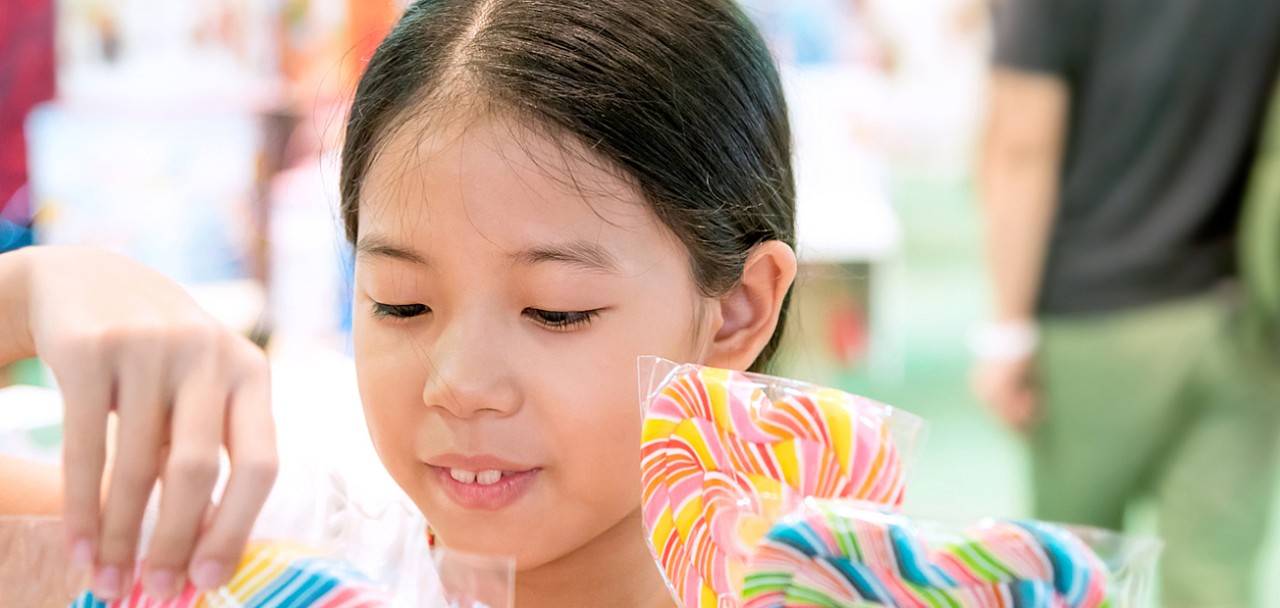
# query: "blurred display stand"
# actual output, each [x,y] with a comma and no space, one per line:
[846,227]
[135,54]
[881,94]
[310,262]
[184,132]
[157,143]
[172,189]
[833,71]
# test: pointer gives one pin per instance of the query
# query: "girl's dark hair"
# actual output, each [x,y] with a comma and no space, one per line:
[681,95]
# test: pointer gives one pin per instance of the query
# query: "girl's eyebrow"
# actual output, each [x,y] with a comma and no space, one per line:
[378,247]
[582,254]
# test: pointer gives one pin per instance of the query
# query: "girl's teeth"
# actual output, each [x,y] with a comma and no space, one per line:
[484,478]
[463,475]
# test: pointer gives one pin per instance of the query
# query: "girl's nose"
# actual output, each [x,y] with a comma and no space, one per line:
[469,375]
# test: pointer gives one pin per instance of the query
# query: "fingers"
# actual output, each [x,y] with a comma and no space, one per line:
[1021,409]
[144,349]
[1010,391]
[176,406]
[89,394]
[250,439]
[189,476]
[140,437]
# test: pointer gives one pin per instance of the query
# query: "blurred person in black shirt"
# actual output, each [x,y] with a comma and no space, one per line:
[1120,143]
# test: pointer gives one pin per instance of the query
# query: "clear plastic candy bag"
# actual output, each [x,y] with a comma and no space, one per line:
[836,554]
[719,447]
[475,581]
[329,550]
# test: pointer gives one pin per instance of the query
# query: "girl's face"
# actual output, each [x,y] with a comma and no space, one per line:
[503,292]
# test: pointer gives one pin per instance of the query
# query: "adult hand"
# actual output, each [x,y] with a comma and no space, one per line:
[1009,389]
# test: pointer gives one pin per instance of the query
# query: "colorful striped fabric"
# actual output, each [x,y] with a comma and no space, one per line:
[274,575]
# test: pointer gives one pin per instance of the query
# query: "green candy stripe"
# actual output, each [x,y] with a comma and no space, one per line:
[982,562]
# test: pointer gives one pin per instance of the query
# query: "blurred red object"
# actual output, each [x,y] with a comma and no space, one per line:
[847,332]
[26,79]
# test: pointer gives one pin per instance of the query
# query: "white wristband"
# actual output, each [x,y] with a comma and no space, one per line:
[1007,341]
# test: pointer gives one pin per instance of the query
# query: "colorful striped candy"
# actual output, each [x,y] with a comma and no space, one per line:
[828,557]
[715,447]
[271,575]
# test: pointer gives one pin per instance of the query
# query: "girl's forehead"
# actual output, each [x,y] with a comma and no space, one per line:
[495,151]
[502,182]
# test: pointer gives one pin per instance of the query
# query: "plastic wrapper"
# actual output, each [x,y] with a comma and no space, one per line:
[319,549]
[837,554]
[475,581]
[720,447]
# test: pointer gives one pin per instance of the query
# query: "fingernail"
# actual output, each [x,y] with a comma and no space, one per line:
[160,584]
[82,555]
[106,583]
[209,575]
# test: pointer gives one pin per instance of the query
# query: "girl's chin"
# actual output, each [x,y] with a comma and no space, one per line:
[526,552]
[507,533]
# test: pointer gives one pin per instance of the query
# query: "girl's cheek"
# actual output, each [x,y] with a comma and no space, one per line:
[389,393]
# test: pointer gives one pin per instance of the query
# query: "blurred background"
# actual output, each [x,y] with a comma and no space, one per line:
[200,137]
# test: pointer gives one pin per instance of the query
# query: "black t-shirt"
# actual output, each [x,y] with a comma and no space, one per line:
[1167,97]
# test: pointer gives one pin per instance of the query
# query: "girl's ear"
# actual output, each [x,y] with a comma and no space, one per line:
[743,320]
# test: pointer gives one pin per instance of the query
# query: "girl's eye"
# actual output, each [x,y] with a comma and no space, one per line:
[398,311]
[561,321]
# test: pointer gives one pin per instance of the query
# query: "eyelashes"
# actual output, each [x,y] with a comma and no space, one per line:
[561,321]
[399,311]
[550,319]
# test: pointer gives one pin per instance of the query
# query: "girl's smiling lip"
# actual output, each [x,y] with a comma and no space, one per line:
[481,462]
[484,483]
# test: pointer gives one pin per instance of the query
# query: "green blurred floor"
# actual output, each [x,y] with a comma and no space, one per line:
[970,466]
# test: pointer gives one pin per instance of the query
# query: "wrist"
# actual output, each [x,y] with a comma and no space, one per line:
[1005,340]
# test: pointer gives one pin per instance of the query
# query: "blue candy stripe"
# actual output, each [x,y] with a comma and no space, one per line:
[88,601]
[913,560]
[862,579]
[1071,582]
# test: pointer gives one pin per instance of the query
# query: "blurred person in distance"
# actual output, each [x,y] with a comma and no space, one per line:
[1121,138]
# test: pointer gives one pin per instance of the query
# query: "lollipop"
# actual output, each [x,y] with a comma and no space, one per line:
[714,443]
[272,575]
[824,557]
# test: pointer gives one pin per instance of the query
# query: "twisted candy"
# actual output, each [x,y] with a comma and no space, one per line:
[820,557]
[714,444]
[271,575]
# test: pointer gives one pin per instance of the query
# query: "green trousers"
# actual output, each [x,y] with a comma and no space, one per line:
[1161,402]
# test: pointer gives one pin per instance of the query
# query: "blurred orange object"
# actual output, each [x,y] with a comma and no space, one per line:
[370,21]
[325,45]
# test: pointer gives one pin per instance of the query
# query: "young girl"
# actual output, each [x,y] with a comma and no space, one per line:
[538,192]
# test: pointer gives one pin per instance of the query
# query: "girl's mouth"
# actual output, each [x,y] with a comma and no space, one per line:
[484,490]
